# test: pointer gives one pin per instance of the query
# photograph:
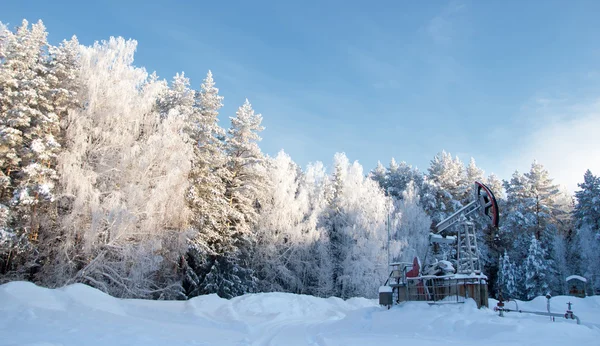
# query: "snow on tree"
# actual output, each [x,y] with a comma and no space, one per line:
[589,243]
[123,176]
[473,174]
[586,215]
[495,184]
[536,270]
[560,256]
[507,282]
[245,182]
[28,144]
[519,220]
[447,186]
[178,100]
[587,210]
[4,37]
[356,220]
[315,189]
[544,195]
[412,229]
[285,231]
[380,175]
[63,70]
[212,238]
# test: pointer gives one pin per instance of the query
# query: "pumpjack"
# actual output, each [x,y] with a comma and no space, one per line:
[440,282]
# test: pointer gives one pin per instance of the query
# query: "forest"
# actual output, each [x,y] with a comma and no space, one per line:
[113,177]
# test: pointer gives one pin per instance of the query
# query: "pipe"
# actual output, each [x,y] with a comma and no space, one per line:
[566,315]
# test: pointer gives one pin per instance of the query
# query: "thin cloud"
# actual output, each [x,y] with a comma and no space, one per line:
[567,143]
[441,28]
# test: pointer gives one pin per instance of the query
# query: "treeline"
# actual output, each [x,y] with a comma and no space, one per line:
[117,179]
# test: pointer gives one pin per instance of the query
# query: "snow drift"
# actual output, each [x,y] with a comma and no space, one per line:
[78,314]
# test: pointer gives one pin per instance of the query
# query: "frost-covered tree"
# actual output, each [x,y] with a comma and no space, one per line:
[286,230]
[587,209]
[473,174]
[315,187]
[413,227]
[536,270]
[4,34]
[29,127]
[495,184]
[123,176]
[399,176]
[532,208]
[446,180]
[63,76]
[588,245]
[560,258]
[178,101]
[212,239]
[380,175]
[544,195]
[507,281]
[586,218]
[356,221]
[489,239]
[245,181]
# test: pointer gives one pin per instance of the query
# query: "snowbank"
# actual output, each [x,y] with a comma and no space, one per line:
[78,314]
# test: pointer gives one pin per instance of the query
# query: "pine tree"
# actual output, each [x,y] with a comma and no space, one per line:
[587,210]
[536,270]
[28,145]
[489,239]
[496,186]
[401,176]
[246,180]
[506,277]
[447,175]
[212,240]
[380,175]
[178,101]
[586,218]
[473,172]
[544,197]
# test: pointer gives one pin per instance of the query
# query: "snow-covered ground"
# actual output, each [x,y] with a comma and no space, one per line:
[80,315]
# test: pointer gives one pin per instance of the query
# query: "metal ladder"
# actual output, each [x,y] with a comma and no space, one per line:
[468,255]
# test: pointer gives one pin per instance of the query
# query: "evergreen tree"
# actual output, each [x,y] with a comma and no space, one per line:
[28,144]
[536,270]
[380,175]
[399,176]
[587,209]
[544,197]
[496,186]
[212,243]
[586,218]
[489,238]
[246,180]
[447,175]
[472,174]
[506,278]
[178,101]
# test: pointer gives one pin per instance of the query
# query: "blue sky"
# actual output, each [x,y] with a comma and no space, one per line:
[503,81]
